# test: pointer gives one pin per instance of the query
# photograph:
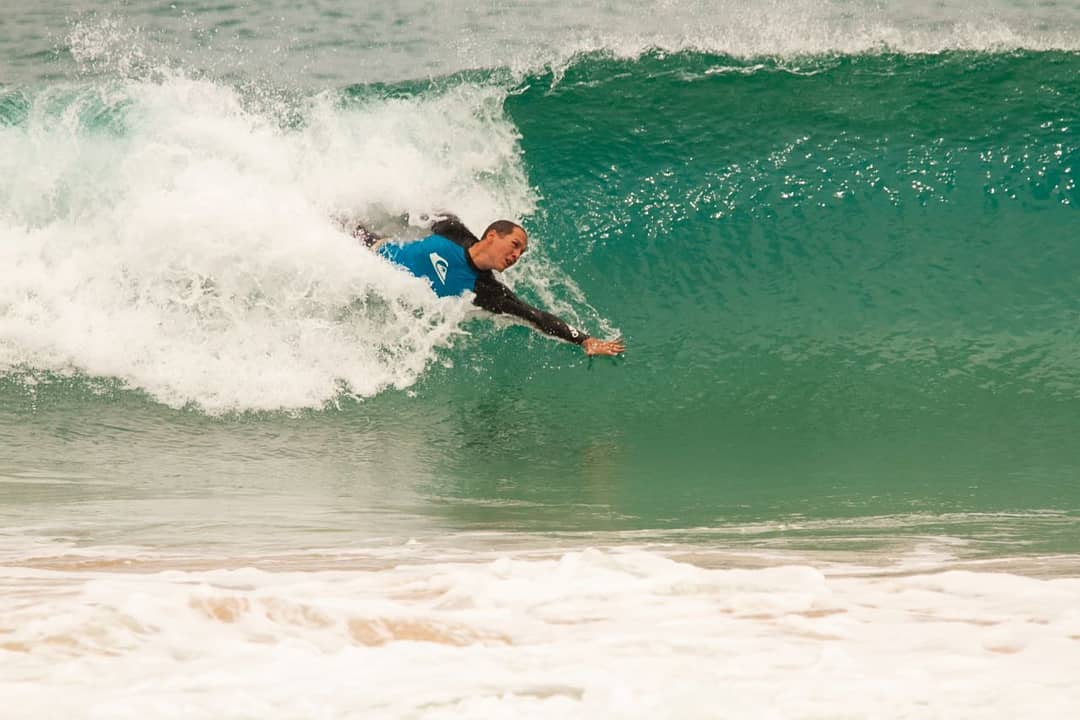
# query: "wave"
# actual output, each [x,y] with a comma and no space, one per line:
[876,212]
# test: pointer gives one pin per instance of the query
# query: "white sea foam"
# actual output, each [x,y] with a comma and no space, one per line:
[583,633]
[167,234]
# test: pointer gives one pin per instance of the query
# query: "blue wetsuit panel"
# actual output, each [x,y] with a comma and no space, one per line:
[441,261]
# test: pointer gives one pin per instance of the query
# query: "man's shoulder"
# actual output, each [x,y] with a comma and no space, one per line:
[451,228]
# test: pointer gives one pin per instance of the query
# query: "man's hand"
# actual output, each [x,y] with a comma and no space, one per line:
[593,346]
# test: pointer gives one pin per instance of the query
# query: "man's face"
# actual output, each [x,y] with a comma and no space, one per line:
[508,248]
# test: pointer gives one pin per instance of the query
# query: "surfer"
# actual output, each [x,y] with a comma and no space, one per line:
[454,260]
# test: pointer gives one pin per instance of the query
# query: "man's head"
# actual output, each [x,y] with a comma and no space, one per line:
[501,245]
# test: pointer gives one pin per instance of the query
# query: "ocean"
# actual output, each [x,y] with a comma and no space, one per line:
[250,470]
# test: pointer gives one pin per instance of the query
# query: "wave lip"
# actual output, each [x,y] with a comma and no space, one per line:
[371,45]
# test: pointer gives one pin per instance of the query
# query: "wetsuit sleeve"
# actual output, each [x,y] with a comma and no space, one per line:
[495,297]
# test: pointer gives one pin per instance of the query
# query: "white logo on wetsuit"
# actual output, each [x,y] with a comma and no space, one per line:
[440,265]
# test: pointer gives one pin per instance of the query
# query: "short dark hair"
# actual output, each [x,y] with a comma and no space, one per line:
[502,228]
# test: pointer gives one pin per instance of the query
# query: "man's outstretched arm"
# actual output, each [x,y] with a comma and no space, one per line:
[495,297]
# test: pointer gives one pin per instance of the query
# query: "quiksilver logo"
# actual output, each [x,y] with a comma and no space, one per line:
[439,263]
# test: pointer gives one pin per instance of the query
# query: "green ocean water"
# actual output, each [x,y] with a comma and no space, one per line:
[847,282]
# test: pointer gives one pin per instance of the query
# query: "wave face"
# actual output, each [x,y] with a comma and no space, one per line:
[893,213]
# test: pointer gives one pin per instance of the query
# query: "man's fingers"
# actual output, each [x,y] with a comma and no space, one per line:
[604,347]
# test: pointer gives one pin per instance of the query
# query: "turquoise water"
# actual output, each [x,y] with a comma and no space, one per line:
[249,470]
[843,259]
